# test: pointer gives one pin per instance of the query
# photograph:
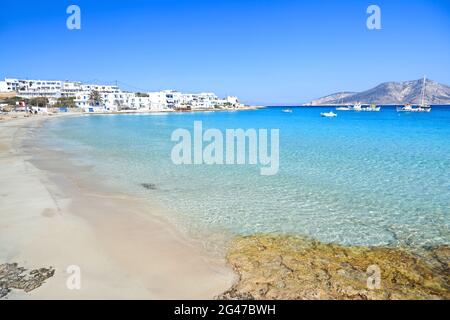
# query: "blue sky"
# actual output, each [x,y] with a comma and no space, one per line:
[269,52]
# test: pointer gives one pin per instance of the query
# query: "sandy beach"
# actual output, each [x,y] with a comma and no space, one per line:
[51,216]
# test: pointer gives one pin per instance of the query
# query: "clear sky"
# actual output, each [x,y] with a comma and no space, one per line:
[268,52]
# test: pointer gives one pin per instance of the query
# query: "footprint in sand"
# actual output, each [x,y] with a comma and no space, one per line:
[48,213]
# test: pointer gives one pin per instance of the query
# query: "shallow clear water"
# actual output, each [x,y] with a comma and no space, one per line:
[361,178]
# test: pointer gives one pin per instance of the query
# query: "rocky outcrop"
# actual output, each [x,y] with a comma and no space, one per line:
[14,277]
[149,186]
[288,267]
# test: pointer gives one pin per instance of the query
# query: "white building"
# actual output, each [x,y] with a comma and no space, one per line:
[70,88]
[4,87]
[33,88]
[170,99]
[9,85]
[233,101]
[135,101]
[204,100]
[100,88]
[113,98]
[158,101]
[108,101]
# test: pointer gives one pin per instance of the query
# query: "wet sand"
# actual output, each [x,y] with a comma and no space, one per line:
[53,215]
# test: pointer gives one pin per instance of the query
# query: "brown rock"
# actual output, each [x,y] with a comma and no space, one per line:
[288,267]
[14,277]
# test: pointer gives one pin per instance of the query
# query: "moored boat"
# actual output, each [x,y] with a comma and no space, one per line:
[347,108]
[343,108]
[371,108]
[409,108]
[357,107]
[406,108]
[330,114]
[423,107]
[360,107]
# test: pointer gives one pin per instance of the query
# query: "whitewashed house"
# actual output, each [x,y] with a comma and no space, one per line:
[113,98]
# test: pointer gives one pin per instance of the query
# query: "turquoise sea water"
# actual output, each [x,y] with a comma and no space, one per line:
[380,178]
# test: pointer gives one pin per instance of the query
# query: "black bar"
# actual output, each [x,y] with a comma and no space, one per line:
[174,310]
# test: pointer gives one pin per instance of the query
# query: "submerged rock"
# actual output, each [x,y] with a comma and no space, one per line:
[149,186]
[14,277]
[288,267]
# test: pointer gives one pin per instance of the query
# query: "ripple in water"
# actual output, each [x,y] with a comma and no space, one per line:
[362,178]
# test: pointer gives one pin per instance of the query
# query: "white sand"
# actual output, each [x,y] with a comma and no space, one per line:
[50,217]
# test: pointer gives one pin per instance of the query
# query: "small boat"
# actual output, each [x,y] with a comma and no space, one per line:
[357,107]
[330,114]
[347,108]
[371,108]
[409,108]
[405,108]
[360,107]
[287,110]
[423,107]
[343,108]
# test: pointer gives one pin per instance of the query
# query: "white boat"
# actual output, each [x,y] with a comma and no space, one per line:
[330,114]
[343,108]
[287,110]
[371,108]
[357,107]
[423,107]
[409,108]
[360,107]
[405,108]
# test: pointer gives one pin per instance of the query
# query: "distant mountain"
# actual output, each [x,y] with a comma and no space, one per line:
[392,93]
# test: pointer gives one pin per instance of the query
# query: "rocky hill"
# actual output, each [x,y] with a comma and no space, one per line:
[392,93]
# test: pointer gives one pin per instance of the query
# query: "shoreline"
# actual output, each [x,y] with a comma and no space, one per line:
[12,115]
[54,219]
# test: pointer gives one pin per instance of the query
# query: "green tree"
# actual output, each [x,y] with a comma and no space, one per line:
[68,102]
[39,102]
[95,98]
[11,101]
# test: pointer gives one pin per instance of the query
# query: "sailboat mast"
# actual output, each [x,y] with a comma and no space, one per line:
[423,91]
